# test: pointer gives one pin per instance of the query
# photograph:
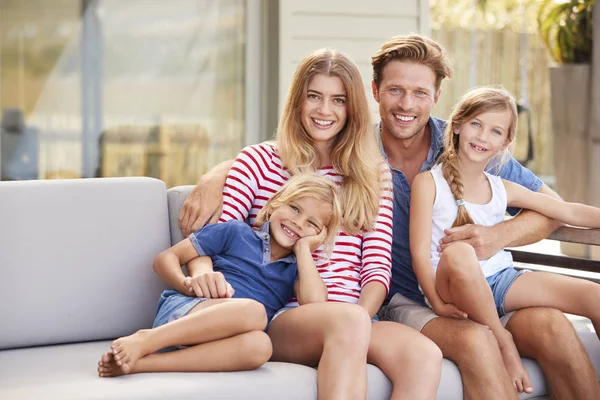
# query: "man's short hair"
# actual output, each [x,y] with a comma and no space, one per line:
[412,48]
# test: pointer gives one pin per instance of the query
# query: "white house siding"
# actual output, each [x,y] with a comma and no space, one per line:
[356,27]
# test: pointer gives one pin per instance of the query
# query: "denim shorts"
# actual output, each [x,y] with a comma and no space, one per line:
[173,305]
[500,282]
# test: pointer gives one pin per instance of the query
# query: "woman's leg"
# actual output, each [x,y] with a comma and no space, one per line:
[208,321]
[459,280]
[332,336]
[409,359]
[545,289]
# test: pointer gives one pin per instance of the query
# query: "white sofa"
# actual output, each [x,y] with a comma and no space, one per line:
[76,272]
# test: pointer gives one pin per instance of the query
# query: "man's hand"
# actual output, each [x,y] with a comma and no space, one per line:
[211,285]
[449,310]
[313,241]
[203,206]
[483,239]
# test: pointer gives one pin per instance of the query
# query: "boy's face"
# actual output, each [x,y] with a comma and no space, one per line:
[406,95]
[299,218]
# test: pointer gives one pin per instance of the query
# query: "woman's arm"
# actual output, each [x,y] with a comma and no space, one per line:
[421,210]
[168,264]
[376,271]
[203,204]
[309,287]
[570,213]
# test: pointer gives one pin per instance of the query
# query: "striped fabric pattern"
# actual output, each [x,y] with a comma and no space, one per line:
[257,174]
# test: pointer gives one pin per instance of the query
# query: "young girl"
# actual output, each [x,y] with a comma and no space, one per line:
[459,191]
[325,127]
[262,269]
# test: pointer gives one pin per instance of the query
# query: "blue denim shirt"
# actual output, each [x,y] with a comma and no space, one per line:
[404,280]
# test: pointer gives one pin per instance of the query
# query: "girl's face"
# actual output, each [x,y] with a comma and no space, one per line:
[297,219]
[324,112]
[484,136]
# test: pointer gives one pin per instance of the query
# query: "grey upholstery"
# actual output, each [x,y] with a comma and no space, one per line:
[76,266]
[76,258]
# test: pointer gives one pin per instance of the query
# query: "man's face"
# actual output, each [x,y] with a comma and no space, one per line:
[406,95]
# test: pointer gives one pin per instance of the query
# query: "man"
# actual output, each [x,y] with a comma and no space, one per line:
[407,74]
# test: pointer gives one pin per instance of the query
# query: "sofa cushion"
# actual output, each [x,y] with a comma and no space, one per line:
[76,258]
[69,372]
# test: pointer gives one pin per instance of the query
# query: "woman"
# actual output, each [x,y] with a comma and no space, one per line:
[325,127]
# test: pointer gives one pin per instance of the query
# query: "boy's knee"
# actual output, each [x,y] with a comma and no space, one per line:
[259,348]
[255,314]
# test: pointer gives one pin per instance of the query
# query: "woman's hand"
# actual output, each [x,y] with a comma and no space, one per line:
[210,285]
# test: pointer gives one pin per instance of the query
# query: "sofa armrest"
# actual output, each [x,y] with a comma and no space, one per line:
[176,196]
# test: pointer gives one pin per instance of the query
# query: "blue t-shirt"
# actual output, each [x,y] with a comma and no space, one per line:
[242,255]
[404,280]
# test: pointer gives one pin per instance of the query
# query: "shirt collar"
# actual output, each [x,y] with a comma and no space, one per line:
[436,127]
[264,235]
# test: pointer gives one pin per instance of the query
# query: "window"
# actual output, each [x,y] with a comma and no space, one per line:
[119,88]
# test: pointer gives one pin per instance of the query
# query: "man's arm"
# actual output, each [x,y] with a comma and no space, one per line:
[526,228]
[204,203]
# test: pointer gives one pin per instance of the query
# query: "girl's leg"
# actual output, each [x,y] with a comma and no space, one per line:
[333,336]
[208,321]
[545,289]
[460,281]
[409,359]
[242,352]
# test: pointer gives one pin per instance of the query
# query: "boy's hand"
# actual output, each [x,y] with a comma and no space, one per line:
[210,285]
[313,241]
[449,310]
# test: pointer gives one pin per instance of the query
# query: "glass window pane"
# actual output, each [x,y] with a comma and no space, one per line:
[119,88]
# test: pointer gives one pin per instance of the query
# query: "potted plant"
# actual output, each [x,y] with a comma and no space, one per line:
[565,27]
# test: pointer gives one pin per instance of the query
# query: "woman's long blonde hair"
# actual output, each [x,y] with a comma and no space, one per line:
[310,185]
[472,104]
[355,153]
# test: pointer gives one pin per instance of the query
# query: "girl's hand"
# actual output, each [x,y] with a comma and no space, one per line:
[449,310]
[210,285]
[313,241]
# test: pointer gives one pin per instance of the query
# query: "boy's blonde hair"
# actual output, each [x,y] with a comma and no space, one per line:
[355,153]
[310,185]
[412,48]
[473,103]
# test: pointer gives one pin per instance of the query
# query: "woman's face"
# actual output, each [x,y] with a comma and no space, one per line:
[324,112]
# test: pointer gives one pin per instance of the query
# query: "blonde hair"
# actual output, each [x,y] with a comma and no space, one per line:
[355,153]
[310,185]
[472,104]
[412,48]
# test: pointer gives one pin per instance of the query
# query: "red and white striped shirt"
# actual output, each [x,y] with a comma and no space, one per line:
[257,174]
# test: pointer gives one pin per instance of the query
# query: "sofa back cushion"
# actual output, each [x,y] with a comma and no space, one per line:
[76,258]
[176,196]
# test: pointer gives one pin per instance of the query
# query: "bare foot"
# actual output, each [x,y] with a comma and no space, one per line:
[107,366]
[514,365]
[127,350]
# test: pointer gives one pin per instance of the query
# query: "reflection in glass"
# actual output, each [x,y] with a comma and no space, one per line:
[140,87]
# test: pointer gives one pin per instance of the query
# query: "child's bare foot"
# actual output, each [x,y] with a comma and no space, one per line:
[514,365]
[127,350]
[107,367]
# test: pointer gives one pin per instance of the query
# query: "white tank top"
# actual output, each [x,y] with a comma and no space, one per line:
[445,211]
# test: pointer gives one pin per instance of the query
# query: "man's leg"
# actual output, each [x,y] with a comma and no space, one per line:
[474,349]
[547,336]
[471,346]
